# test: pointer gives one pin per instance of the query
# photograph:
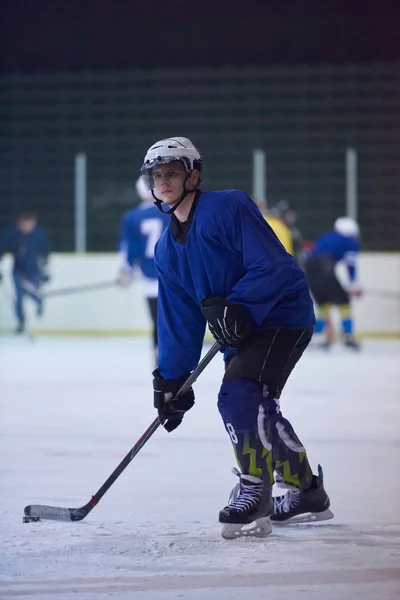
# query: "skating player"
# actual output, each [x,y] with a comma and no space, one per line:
[27,242]
[220,263]
[341,244]
[140,230]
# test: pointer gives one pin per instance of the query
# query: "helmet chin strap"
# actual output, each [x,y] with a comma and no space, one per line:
[159,202]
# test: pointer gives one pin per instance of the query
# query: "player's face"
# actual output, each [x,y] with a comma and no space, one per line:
[169,181]
[26,225]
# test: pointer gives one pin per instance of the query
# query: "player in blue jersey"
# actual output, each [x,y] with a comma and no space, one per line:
[341,244]
[140,230]
[27,242]
[220,263]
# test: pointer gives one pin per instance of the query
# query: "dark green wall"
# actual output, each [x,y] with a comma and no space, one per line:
[304,117]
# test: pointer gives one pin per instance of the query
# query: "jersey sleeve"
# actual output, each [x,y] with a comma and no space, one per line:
[350,258]
[123,244]
[268,266]
[127,244]
[181,328]
[44,246]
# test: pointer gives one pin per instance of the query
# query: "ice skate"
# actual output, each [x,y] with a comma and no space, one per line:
[325,345]
[250,504]
[39,310]
[302,506]
[20,329]
[350,342]
[318,342]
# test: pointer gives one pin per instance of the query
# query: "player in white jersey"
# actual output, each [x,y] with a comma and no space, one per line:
[140,230]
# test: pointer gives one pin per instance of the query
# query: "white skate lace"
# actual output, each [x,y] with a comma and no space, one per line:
[245,497]
[285,503]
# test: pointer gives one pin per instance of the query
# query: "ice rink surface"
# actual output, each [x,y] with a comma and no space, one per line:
[72,408]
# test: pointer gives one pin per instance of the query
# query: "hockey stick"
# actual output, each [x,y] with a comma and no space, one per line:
[384,294]
[32,289]
[36,512]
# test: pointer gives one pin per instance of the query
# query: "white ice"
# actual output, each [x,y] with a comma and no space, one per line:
[71,409]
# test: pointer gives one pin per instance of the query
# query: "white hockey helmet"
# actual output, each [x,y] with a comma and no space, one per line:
[347,226]
[142,191]
[169,150]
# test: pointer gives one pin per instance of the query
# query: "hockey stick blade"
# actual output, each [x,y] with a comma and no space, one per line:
[37,512]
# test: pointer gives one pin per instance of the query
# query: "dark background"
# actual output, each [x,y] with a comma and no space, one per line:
[303,81]
[74,35]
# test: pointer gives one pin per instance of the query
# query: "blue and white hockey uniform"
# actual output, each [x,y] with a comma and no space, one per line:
[140,230]
[331,248]
[338,248]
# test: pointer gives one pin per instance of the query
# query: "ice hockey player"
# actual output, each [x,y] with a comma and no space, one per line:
[220,263]
[140,229]
[27,242]
[341,244]
[280,229]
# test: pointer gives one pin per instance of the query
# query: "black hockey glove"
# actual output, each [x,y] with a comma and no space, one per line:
[228,322]
[171,411]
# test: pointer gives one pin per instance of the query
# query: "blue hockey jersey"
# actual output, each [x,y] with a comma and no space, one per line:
[338,248]
[140,230]
[30,250]
[228,250]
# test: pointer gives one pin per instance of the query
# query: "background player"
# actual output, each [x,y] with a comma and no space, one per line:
[280,228]
[341,244]
[219,262]
[27,242]
[140,230]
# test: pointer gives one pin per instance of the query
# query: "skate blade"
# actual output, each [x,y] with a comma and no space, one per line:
[260,528]
[307,518]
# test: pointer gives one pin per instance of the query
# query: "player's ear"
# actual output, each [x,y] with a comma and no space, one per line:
[194,178]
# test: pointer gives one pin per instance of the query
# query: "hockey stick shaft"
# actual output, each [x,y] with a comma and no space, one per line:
[156,423]
[77,514]
[78,289]
[384,294]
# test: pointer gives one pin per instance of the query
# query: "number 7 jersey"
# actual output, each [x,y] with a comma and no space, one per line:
[140,230]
